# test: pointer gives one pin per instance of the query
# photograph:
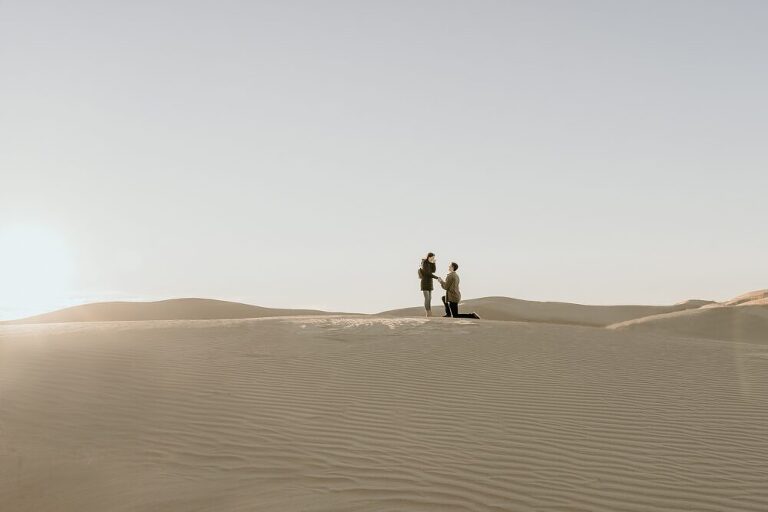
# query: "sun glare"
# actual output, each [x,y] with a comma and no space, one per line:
[37,270]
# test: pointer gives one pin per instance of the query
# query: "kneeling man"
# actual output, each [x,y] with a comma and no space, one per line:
[452,295]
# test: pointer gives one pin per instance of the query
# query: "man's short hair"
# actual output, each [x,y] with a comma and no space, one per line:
[455,266]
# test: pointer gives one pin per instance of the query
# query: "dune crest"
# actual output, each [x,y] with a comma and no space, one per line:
[171,309]
[742,322]
[739,319]
[751,298]
[743,318]
[508,309]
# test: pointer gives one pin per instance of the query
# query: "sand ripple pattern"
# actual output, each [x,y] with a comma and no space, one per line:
[378,414]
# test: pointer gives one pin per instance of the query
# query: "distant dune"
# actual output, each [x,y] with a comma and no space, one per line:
[744,321]
[743,318]
[172,309]
[505,308]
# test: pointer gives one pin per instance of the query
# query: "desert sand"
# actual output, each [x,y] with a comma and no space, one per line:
[382,413]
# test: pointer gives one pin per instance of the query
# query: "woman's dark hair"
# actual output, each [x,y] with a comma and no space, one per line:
[430,254]
[455,266]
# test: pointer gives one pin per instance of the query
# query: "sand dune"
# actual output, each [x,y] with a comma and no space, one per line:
[505,308]
[744,321]
[756,302]
[377,414]
[751,298]
[173,309]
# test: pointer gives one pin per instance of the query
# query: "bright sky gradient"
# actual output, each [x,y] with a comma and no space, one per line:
[302,153]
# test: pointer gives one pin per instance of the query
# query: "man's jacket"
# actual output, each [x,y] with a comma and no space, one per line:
[451,287]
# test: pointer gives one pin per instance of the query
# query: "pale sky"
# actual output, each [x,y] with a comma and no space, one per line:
[307,154]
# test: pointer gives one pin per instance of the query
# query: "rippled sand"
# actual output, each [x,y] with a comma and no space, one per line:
[356,413]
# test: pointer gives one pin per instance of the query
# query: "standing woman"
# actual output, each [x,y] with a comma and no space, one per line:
[427,274]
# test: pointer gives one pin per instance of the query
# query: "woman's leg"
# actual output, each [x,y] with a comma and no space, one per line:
[427,300]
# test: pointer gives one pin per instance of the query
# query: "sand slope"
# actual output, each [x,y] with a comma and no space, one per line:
[750,298]
[505,308]
[377,414]
[742,322]
[173,309]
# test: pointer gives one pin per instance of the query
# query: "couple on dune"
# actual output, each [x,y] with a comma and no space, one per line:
[450,284]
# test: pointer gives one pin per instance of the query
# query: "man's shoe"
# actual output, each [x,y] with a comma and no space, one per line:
[476,316]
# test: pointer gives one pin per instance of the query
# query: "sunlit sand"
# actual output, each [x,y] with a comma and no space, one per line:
[340,412]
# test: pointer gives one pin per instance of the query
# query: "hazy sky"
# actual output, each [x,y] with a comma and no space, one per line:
[309,153]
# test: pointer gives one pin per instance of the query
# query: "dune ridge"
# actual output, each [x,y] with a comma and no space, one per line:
[741,322]
[740,319]
[170,309]
[746,299]
[509,309]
